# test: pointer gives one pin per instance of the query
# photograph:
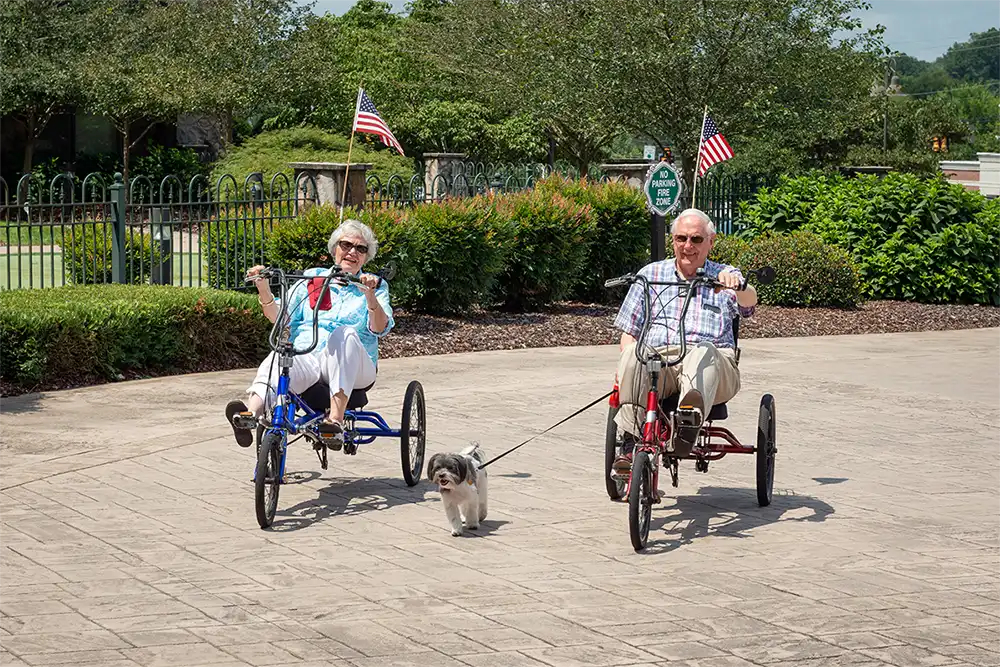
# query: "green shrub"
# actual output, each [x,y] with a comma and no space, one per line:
[621,240]
[456,250]
[910,237]
[808,272]
[270,152]
[87,333]
[547,251]
[87,252]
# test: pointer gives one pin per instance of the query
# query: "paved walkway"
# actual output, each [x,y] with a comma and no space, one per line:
[129,538]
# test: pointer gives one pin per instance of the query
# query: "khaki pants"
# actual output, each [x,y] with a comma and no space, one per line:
[707,376]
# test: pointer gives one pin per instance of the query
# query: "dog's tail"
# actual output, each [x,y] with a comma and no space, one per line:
[474,451]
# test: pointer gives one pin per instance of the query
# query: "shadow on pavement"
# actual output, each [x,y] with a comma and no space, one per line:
[724,512]
[346,497]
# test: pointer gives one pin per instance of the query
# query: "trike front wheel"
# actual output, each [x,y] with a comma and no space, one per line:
[640,500]
[267,479]
[766,450]
[413,433]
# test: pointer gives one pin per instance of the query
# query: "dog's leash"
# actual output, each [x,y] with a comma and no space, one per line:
[562,421]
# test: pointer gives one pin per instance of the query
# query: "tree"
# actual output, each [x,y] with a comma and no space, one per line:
[767,70]
[39,42]
[534,58]
[976,60]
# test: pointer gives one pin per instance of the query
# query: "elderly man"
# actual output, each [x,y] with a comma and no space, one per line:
[709,374]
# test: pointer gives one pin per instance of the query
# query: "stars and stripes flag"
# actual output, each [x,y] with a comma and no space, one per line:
[366,119]
[714,147]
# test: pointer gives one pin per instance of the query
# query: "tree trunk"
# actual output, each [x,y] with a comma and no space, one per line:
[29,145]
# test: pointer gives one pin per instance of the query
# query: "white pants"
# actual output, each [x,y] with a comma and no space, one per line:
[343,364]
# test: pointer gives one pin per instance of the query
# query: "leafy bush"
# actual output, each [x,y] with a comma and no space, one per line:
[620,242]
[87,252]
[808,272]
[547,252]
[893,228]
[270,153]
[161,162]
[456,251]
[85,333]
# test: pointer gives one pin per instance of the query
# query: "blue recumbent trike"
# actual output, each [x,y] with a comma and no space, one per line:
[300,415]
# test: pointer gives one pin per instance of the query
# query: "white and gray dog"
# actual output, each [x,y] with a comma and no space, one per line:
[462,485]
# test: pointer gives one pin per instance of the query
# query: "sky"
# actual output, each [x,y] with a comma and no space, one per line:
[921,28]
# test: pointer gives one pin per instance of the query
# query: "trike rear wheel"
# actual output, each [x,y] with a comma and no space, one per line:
[640,500]
[413,433]
[615,443]
[766,450]
[267,479]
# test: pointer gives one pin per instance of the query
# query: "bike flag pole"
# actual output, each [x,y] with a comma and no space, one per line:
[697,163]
[350,146]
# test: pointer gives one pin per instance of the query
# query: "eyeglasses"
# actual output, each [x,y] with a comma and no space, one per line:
[682,239]
[347,246]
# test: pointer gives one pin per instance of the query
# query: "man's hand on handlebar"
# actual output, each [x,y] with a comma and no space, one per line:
[730,280]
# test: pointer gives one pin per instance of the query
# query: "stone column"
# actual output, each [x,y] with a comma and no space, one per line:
[436,164]
[989,174]
[633,173]
[329,178]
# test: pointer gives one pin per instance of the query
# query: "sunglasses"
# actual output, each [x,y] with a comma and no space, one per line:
[682,239]
[347,246]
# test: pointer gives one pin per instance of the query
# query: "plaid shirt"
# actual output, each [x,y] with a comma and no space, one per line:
[709,317]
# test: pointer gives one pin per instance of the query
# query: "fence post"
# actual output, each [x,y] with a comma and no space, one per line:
[118,230]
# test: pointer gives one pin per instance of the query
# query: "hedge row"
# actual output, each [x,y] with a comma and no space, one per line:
[99,332]
[559,241]
[913,239]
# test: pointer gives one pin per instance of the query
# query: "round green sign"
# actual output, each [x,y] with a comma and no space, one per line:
[663,188]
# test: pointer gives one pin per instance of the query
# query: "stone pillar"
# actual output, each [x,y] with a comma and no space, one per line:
[329,178]
[633,173]
[989,174]
[436,164]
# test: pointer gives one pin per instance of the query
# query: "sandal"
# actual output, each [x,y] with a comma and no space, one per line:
[242,421]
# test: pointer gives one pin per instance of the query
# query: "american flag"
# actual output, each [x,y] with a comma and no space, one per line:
[366,119]
[714,147]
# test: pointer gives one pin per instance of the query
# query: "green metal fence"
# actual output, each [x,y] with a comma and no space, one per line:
[74,231]
[95,230]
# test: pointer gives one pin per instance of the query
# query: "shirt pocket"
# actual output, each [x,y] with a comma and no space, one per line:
[712,318]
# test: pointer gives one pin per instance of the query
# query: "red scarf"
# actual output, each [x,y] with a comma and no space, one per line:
[315,286]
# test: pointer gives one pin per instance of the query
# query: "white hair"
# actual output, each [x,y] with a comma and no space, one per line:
[358,228]
[694,213]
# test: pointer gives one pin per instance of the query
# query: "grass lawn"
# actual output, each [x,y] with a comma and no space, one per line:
[36,270]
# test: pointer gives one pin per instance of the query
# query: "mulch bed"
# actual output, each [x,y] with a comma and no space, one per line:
[587,324]
[583,324]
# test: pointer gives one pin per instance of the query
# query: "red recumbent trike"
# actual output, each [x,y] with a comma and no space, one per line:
[641,482]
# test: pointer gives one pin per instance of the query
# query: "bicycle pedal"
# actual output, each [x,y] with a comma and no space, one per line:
[245,420]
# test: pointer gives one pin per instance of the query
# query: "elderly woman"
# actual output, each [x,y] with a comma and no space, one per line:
[352,317]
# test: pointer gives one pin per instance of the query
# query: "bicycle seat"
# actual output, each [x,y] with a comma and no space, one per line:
[318,397]
[718,412]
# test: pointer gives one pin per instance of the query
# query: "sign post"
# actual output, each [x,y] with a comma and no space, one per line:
[663,188]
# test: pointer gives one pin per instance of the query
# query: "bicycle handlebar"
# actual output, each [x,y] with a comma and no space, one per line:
[274,339]
[764,275]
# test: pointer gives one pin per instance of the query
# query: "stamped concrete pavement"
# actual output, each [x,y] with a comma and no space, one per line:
[128,537]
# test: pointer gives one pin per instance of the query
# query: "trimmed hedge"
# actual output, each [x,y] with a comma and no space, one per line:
[102,332]
[621,238]
[550,237]
[912,238]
